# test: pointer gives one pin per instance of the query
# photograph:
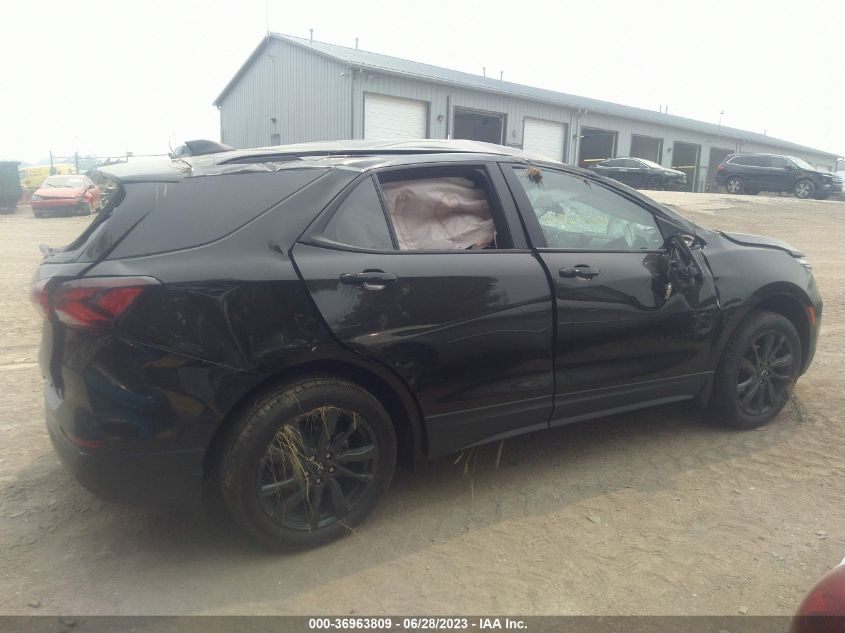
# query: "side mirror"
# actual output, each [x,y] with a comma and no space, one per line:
[91,186]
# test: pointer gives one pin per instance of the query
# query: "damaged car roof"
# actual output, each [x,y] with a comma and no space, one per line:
[357,155]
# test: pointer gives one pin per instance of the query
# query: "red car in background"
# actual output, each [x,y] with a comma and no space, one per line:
[68,195]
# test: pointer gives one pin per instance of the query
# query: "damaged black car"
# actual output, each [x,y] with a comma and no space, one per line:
[281,327]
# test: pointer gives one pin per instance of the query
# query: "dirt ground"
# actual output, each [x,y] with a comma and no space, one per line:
[649,513]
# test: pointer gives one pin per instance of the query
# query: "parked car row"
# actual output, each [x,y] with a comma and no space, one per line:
[753,173]
[739,174]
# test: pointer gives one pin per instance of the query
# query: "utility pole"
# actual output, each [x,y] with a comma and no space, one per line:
[76,161]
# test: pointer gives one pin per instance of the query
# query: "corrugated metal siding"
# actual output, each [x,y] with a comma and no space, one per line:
[309,95]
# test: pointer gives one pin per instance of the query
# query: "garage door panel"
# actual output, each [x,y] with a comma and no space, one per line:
[394,118]
[546,138]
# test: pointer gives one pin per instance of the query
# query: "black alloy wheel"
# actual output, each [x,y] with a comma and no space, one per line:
[758,368]
[764,374]
[317,468]
[305,462]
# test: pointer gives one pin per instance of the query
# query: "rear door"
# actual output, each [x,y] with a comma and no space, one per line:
[468,328]
[624,337]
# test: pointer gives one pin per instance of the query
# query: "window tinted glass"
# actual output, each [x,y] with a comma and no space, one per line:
[359,220]
[446,210]
[199,210]
[632,163]
[612,163]
[740,160]
[576,213]
[778,161]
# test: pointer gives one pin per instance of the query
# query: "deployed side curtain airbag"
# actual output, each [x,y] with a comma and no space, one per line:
[439,213]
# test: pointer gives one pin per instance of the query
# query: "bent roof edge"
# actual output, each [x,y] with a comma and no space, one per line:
[427,72]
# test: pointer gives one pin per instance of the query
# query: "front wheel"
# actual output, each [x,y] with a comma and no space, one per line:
[306,463]
[757,371]
[804,189]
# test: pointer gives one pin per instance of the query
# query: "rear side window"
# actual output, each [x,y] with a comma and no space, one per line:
[359,221]
[195,211]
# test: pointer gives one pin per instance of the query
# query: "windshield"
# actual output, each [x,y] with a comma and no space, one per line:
[63,181]
[801,163]
[649,163]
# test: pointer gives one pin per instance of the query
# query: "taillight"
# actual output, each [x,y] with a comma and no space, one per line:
[721,167]
[823,609]
[40,299]
[90,302]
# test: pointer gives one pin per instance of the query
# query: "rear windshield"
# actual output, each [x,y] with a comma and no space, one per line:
[145,218]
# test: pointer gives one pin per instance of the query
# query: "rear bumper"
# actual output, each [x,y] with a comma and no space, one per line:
[172,478]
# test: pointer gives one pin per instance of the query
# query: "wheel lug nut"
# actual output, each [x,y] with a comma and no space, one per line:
[331,470]
[319,480]
[328,455]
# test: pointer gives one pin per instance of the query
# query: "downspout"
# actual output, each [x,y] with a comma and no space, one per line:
[352,71]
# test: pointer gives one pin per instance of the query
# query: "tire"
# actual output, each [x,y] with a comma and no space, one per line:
[734,185]
[747,393]
[655,183]
[804,189]
[279,462]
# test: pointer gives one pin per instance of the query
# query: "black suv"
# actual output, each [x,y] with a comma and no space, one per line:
[280,327]
[753,173]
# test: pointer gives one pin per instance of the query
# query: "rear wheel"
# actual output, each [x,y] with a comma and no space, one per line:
[306,463]
[757,370]
[804,189]
[734,185]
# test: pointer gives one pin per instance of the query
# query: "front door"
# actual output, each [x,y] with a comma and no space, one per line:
[625,338]
[457,306]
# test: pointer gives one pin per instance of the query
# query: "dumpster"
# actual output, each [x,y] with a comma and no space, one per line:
[10,186]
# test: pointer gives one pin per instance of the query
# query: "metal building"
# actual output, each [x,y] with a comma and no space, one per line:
[293,90]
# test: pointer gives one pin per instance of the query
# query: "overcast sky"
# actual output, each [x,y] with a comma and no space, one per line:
[107,77]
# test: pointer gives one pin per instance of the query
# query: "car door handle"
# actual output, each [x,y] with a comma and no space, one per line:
[369,279]
[581,270]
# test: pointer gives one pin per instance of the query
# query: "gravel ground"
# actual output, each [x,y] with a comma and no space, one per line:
[648,513]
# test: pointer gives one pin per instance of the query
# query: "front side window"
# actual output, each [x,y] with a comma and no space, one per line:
[577,213]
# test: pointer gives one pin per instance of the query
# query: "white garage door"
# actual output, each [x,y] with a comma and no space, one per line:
[391,117]
[545,138]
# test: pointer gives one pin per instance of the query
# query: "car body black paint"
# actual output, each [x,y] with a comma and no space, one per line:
[475,345]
